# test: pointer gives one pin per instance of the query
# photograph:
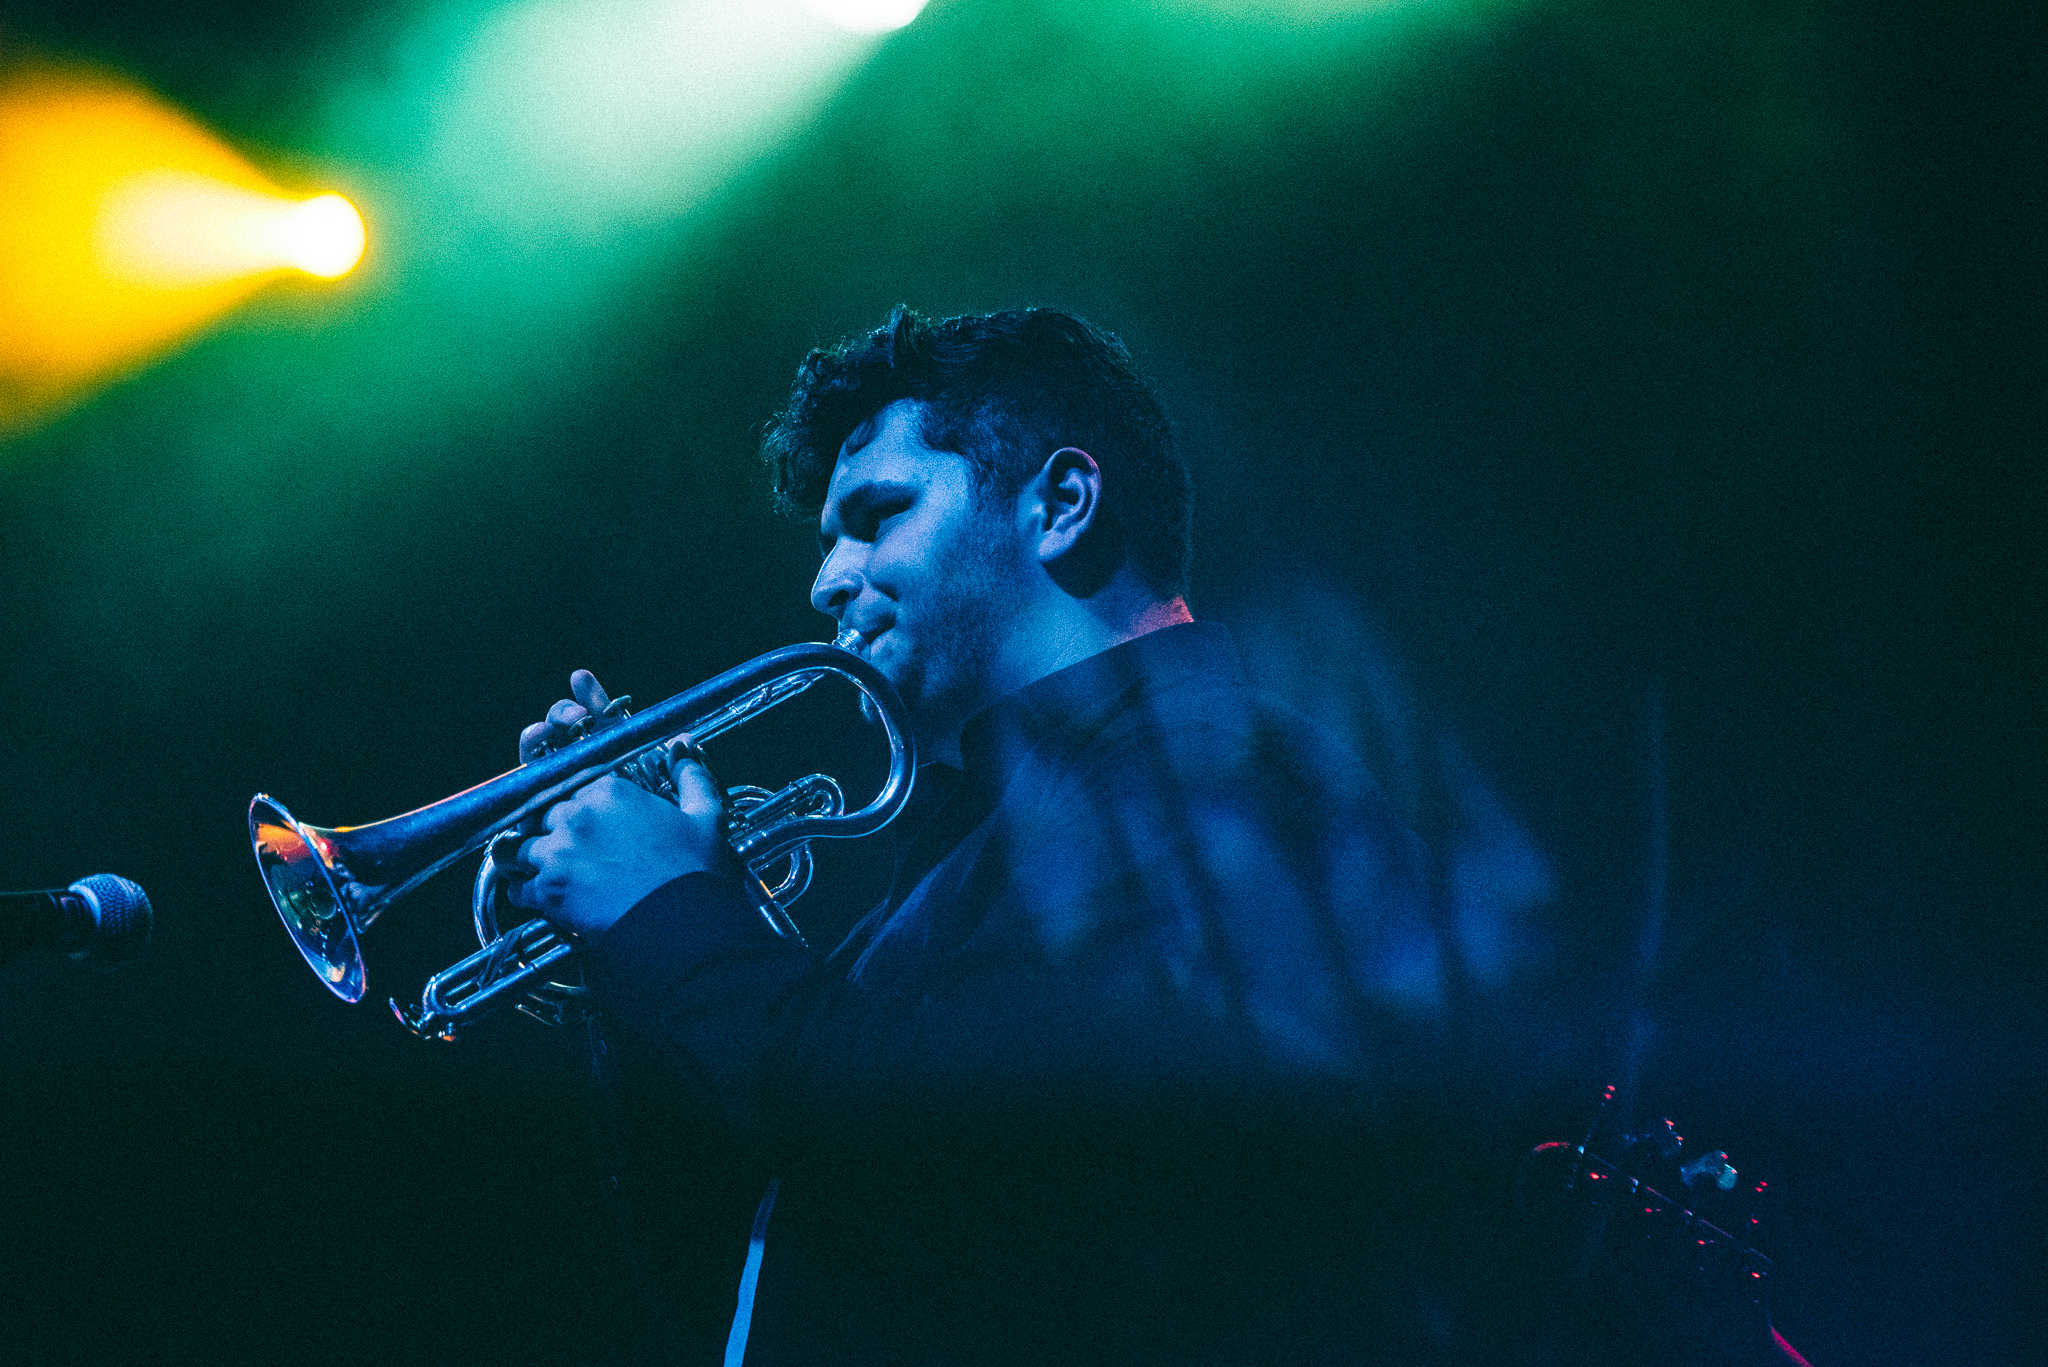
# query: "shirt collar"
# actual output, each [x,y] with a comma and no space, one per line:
[1063,710]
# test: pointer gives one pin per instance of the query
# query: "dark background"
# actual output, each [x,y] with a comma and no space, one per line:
[1624,421]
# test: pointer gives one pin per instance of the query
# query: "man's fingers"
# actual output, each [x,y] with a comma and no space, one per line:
[590,700]
[588,691]
[537,739]
[505,849]
[533,742]
[696,791]
[514,873]
[522,858]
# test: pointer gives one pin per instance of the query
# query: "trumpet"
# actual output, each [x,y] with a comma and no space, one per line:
[329,883]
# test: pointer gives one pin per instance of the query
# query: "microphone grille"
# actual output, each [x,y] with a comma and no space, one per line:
[121,919]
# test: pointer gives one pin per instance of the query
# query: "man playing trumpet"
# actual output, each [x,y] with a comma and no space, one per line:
[1108,1073]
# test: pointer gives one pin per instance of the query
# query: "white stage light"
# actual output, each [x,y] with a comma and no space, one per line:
[866,16]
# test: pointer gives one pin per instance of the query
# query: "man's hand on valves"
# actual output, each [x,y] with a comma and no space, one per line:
[589,858]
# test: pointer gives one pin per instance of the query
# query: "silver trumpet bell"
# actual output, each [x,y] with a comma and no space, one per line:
[329,884]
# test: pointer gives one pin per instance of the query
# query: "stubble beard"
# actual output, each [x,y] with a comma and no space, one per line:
[961,627]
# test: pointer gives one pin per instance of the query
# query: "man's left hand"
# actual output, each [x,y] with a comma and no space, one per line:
[610,843]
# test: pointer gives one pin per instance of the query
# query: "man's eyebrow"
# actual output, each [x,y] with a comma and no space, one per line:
[861,435]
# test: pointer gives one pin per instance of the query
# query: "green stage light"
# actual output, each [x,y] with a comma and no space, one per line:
[577,119]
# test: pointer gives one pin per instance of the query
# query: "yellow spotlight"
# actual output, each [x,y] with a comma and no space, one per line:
[324,236]
[126,226]
[172,229]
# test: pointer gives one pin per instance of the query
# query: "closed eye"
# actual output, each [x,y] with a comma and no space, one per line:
[881,512]
[861,513]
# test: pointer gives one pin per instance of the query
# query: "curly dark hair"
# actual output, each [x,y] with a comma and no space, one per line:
[1004,390]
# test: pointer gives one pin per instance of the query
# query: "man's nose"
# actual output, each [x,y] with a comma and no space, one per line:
[838,583]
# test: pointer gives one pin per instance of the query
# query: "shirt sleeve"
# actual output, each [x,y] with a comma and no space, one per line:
[1107,959]
[788,1044]
[694,969]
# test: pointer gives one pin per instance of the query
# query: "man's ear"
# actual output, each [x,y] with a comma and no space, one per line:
[1062,502]
[1060,506]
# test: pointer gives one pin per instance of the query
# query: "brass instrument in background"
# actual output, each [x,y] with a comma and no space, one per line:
[329,884]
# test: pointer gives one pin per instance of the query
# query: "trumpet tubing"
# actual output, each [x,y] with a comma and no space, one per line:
[330,883]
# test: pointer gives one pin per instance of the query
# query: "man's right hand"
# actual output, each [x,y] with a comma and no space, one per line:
[588,859]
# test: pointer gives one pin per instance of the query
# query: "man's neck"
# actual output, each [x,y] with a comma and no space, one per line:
[1060,630]
[1057,633]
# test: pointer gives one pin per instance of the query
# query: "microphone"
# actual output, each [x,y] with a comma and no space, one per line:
[101,920]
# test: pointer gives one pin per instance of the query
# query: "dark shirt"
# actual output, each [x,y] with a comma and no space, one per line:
[1110,1074]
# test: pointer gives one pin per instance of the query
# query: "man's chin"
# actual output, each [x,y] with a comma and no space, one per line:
[884,654]
[891,665]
